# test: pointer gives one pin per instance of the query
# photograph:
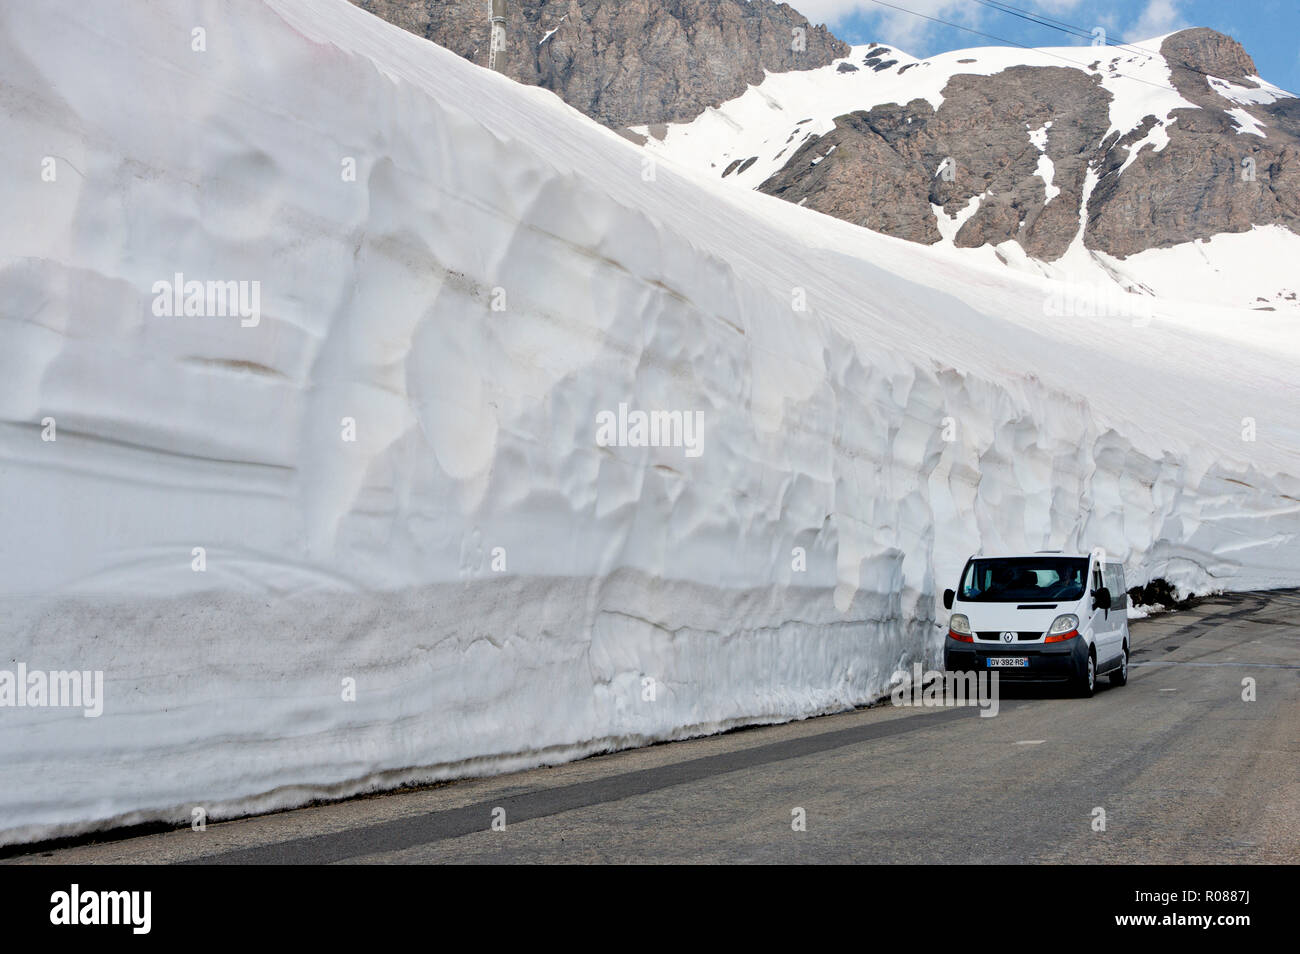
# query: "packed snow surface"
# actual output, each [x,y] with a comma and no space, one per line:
[395,514]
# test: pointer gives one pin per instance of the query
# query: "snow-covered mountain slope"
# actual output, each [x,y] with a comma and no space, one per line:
[481,578]
[747,141]
[771,120]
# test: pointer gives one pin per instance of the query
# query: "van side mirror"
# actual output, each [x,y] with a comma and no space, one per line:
[948,598]
[1101,599]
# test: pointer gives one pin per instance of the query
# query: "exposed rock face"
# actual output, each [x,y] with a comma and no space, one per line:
[628,62]
[1211,177]
[866,171]
[889,164]
[1207,52]
[1003,136]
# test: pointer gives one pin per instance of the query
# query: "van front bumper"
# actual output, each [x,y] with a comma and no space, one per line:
[1048,662]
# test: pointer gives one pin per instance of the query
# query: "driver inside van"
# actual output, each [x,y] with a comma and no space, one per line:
[1025,579]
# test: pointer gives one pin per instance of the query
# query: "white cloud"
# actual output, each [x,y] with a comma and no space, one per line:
[894,27]
[902,29]
[1050,7]
[1159,17]
[833,11]
[830,11]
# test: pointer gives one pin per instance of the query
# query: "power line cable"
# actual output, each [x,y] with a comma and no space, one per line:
[1073,28]
[1004,40]
[1063,26]
[1024,46]
[1033,18]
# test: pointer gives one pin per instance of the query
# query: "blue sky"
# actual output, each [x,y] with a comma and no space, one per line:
[1268,29]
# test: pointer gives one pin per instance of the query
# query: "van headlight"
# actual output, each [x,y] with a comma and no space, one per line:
[1063,624]
[1064,628]
[959,628]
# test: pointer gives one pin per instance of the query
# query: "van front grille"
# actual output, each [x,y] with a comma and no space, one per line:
[997,636]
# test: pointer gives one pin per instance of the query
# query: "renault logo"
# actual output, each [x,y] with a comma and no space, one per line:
[1007,637]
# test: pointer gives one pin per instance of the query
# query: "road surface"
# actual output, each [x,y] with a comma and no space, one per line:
[1184,769]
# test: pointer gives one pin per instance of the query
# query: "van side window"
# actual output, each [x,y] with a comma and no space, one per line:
[1115,583]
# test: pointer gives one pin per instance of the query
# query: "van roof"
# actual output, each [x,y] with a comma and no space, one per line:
[1036,553]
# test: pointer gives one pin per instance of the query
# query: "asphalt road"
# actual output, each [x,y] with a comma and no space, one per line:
[1184,769]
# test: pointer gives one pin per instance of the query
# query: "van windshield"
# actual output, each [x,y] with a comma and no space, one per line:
[1024,580]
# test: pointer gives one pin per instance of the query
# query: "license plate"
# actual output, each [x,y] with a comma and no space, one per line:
[1008,662]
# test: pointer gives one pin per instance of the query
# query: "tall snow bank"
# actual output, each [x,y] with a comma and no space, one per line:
[475,581]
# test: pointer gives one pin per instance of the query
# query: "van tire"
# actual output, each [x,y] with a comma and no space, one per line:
[1086,683]
[1119,677]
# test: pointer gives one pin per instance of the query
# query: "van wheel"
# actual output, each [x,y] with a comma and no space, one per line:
[1086,683]
[1120,676]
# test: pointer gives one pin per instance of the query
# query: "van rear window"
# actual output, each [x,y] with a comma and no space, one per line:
[1024,579]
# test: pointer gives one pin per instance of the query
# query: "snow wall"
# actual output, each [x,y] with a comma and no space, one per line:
[383,476]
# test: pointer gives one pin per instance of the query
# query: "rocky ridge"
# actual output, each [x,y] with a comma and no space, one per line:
[628,62]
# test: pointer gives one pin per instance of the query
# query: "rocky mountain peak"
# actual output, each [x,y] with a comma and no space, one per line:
[628,62]
[979,148]
[1208,52]
[1034,157]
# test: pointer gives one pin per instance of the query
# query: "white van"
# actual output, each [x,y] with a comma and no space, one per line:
[1046,617]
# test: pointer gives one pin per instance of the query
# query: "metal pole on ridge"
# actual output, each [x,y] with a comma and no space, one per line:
[498,41]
